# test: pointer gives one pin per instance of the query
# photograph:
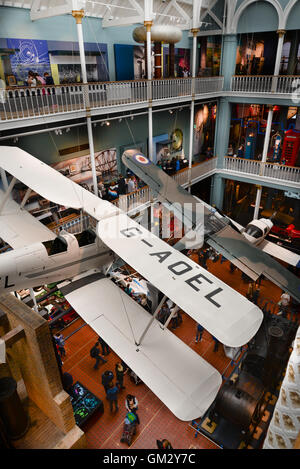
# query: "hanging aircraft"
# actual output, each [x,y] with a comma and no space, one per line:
[185,382]
[243,247]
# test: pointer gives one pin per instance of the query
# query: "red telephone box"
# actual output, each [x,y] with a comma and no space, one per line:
[290,149]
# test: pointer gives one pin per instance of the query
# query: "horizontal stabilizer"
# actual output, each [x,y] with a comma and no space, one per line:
[179,377]
[225,313]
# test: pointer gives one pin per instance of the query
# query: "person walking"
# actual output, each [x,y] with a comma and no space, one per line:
[95,353]
[131,404]
[59,339]
[199,333]
[122,185]
[120,375]
[112,396]
[104,346]
[107,378]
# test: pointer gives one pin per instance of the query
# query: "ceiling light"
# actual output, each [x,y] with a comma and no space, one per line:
[107,123]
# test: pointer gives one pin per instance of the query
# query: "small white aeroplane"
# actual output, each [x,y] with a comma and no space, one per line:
[185,382]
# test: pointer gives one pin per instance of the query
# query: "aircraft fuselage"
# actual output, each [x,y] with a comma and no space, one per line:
[36,264]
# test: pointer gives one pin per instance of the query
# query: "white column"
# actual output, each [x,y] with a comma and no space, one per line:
[78,15]
[263,160]
[194,51]
[148,24]
[257,202]
[35,305]
[281,33]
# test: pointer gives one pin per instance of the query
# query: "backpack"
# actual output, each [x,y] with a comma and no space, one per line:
[131,417]
[93,352]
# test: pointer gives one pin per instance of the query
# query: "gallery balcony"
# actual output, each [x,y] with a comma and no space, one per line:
[267,85]
[279,175]
[69,101]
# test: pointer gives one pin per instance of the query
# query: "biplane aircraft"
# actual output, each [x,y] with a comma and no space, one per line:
[183,380]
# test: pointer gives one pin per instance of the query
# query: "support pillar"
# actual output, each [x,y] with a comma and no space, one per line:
[222,130]
[78,15]
[228,59]
[257,202]
[148,25]
[194,31]
[217,191]
[281,33]
[263,160]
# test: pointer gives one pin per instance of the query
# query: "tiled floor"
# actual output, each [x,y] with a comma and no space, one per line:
[157,421]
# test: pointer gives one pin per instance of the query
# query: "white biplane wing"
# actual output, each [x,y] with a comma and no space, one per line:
[180,378]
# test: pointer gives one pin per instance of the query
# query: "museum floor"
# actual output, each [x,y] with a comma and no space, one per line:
[104,431]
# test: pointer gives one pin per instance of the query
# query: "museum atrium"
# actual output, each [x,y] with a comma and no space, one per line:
[149,224]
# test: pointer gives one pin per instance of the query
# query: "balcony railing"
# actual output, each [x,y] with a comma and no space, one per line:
[281,84]
[289,174]
[27,102]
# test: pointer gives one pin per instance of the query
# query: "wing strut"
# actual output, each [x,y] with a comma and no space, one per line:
[7,193]
[151,320]
[25,198]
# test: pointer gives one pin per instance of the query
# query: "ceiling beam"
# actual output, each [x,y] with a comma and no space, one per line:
[122,21]
[36,13]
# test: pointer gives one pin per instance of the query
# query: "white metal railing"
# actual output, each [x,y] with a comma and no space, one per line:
[197,172]
[171,88]
[25,102]
[282,84]
[257,168]
[208,85]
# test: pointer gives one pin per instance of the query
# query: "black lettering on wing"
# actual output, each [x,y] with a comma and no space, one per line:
[162,255]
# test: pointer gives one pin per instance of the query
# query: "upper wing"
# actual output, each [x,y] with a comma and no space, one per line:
[18,228]
[52,185]
[216,230]
[185,382]
[226,314]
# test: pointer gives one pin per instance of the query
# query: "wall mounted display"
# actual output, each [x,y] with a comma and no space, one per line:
[30,55]
[177,139]
[79,169]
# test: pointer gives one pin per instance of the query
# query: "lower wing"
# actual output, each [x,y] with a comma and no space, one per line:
[179,377]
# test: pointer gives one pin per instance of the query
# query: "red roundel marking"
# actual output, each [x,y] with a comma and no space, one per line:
[141,159]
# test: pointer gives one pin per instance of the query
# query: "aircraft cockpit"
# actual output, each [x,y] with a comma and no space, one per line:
[56,246]
[254,231]
[86,237]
